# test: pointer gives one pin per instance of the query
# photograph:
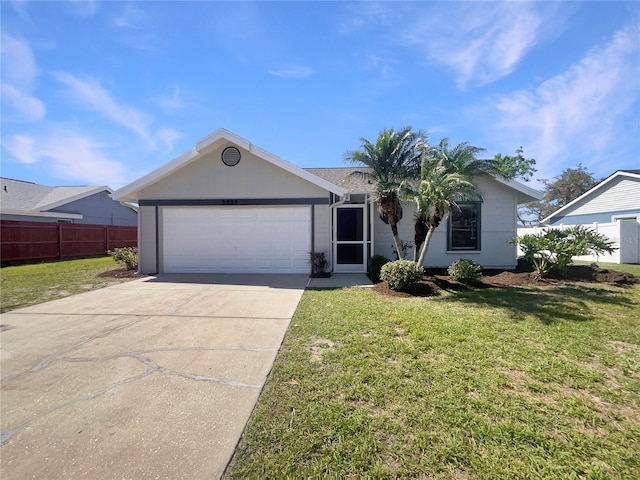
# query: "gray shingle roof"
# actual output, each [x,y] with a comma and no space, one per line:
[29,197]
[21,196]
[344,177]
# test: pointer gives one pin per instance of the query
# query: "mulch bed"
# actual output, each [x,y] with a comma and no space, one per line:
[120,273]
[435,281]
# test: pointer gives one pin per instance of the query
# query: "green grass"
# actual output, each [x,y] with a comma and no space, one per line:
[537,382]
[631,268]
[25,285]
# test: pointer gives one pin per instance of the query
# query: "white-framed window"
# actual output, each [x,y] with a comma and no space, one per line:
[464,227]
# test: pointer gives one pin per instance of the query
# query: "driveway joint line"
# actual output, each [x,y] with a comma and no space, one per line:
[52,358]
[152,367]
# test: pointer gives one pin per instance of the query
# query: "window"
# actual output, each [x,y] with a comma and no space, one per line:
[464,227]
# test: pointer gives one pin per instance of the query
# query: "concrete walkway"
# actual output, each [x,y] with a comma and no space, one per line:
[154,378]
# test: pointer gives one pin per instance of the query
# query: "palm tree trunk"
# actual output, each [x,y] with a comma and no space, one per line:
[425,246]
[421,228]
[396,237]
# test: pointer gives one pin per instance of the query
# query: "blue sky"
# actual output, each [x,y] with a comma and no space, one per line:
[104,92]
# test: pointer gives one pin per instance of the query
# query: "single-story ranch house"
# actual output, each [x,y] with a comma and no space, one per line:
[32,202]
[227,206]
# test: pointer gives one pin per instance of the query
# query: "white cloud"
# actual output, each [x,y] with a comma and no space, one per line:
[168,136]
[578,111]
[19,6]
[362,15]
[71,156]
[92,96]
[481,41]
[19,72]
[136,28]
[174,101]
[83,8]
[18,63]
[292,71]
[21,147]
[27,106]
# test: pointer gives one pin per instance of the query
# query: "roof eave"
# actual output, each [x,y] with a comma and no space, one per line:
[33,213]
[610,178]
[526,194]
[73,198]
[131,192]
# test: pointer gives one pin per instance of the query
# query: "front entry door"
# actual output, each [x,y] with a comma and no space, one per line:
[349,239]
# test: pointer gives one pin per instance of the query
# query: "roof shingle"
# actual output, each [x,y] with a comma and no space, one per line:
[345,177]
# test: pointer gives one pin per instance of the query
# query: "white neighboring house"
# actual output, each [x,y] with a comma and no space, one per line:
[227,206]
[611,208]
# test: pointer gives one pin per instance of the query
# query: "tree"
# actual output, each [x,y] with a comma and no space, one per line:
[516,166]
[446,174]
[393,159]
[435,197]
[559,191]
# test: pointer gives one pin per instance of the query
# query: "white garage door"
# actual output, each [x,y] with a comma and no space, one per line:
[236,239]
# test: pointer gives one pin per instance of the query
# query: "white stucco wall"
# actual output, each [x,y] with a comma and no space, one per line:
[208,178]
[147,240]
[322,231]
[497,224]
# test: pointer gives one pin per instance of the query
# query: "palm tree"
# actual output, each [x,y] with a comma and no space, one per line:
[446,176]
[435,197]
[463,159]
[392,160]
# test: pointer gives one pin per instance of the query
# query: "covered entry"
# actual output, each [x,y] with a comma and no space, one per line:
[352,237]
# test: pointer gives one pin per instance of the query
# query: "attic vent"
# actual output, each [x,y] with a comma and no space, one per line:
[230,156]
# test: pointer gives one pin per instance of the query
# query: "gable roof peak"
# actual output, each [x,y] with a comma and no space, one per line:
[618,173]
[131,192]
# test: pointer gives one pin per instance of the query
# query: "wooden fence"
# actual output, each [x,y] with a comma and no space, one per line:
[28,241]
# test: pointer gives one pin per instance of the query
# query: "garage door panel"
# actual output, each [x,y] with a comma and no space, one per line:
[236,240]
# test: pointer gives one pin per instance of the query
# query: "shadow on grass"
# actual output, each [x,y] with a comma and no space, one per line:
[549,304]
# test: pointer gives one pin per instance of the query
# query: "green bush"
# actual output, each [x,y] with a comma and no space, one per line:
[126,256]
[374,265]
[401,274]
[554,249]
[465,271]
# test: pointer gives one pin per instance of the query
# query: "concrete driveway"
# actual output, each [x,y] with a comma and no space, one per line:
[154,378]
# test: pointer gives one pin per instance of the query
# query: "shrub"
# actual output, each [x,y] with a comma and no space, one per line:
[319,263]
[530,245]
[401,274]
[126,256]
[554,249]
[374,265]
[465,271]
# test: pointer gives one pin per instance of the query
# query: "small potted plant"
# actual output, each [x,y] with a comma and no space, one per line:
[319,265]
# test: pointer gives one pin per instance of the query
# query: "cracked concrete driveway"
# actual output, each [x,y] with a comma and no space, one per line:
[154,378]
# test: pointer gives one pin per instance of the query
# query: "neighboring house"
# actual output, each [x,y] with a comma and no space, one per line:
[615,198]
[612,208]
[227,206]
[27,201]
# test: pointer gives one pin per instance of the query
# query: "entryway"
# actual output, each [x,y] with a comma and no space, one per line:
[351,239]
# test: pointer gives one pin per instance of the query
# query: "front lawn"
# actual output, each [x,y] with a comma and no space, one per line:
[24,285]
[490,383]
[632,268]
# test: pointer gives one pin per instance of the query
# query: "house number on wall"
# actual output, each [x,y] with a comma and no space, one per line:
[229,202]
